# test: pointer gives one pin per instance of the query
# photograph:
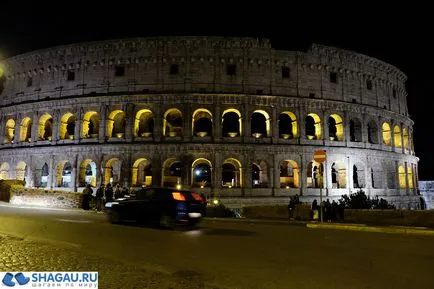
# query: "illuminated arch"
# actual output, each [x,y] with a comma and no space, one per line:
[26,129]
[87,174]
[45,172]
[288,127]
[410,176]
[90,126]
[259,174]
[315,175]
[289,174]
[336,127]
[401,174]
[313,126]
[144,123]
[339,175]
[67,126]
[172,122]
[64,174]
[387,134]
[202,122]
[142,172]
[10,131]
[260,127]
[232,173]
[232,123]
[116,124]
[4,171]
[172,173]
[201,172]
[397,136]
[405,136]
[45,128]
[358,175]
[21,171]
[112,171]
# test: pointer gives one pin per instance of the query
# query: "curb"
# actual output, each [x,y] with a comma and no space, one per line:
[379,229]
[8,205]
[257,221]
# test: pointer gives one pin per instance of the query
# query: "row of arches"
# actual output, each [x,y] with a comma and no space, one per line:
[201,173]
[202,126]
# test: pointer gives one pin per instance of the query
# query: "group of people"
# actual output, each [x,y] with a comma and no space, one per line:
[102,195]
[331,211]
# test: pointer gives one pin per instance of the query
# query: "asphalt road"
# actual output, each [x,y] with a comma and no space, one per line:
[239,255]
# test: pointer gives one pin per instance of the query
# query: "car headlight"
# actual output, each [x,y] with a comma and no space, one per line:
[110,204]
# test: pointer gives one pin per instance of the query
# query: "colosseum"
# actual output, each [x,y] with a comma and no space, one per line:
[233,118]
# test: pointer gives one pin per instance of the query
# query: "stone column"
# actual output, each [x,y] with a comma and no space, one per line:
[217,125]
[126,170]
[29,174]
[56,127]
[246,122]
[187,123]
[247,176]
[129,121]
[157,170]
[2,129]
[217,172]
[17,130]
[78,127]
[325,119]
[103,123]
[74,175]
[349,175]
[158,124]
[406,179]
[274,125]
[99,170]
[51,176]
[302,122]
[302,176]
[276,181]
[392,135]
[35,127]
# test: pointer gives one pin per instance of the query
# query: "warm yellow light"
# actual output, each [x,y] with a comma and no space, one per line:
[1,72]
[215,202]
[178,187]
[201,187]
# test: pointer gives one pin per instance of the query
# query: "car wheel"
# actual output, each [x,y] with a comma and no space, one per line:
[167,221]
[115,217]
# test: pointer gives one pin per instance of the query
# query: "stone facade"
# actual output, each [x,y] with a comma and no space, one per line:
[427,191]
[231,117]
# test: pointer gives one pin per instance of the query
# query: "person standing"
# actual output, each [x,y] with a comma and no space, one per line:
[99,197]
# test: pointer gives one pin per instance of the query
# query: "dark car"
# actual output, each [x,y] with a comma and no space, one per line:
[158,206]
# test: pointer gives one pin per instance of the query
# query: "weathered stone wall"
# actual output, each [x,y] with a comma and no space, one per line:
[427,191]
[45,198]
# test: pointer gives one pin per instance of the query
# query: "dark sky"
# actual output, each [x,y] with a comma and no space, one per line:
[398,35]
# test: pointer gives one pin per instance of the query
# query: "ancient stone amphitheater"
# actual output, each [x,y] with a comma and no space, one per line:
[230,117]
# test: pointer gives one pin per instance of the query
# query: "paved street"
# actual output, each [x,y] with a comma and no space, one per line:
[216,255]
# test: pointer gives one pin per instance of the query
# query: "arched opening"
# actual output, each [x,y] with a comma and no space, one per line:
[355,130]
[44,176]
[259,175]
[116,124]
[144,123]
[45,131]
[387,134]
[358,176]
[315,175]
[21,171]
[64,174]
[4,171]
[142,173]
[202,122]
[401,174]
[172,173]
[260,124]
[397,136]
[410,176]
[336,128]
[372,132]
[231,123]
[339,175]
[26,130]
[172,123]
[10,131]
[87,174]
[231,173]
[201,173]
[288,125]
[67,126]
[313,126]
[376,173]
[289,175]
[112,172]
[90,127]
[405,137]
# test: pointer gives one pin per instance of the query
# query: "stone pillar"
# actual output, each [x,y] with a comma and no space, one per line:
[246,122]
[346,124]
[35,127]
[325,120]
[217,125]
[349,176]
[158,124]
[406,179]
[392,135]
[129,122]
[302,122]
[157,172]
[74,175]
[99,170]
[3,121]
[126,170]
[51,176]
[29,174]
[403,148]
[397,176]
[78,129]
[103,123]
[276,181]
[247,177]
[56,127]
[274,125]
[17,130]
[415,180]
[302,177]
[187,122]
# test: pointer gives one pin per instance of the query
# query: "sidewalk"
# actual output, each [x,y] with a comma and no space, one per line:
[333,226]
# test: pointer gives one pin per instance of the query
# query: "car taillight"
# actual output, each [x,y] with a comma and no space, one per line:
[197,197]
[178,196]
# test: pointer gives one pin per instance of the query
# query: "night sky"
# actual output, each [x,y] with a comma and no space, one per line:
[397,35]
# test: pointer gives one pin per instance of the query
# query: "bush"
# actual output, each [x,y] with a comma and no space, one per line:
[219,211]
[359,200]
[5,188]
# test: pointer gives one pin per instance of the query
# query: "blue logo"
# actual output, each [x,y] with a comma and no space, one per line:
[8,279]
